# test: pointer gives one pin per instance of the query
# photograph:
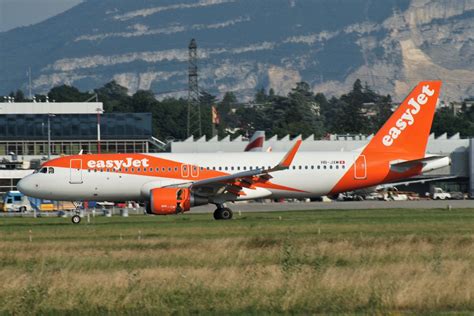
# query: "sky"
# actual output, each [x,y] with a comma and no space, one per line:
[15,13]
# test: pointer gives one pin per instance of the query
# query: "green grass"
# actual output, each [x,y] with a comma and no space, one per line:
[331,261]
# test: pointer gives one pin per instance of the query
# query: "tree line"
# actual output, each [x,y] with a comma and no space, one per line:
[301,112]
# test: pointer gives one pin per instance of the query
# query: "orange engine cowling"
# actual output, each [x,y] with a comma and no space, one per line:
[166,201]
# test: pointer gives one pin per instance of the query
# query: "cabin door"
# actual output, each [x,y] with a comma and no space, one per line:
[360,168]
[75,171]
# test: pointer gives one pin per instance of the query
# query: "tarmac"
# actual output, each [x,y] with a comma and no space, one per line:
[336,205]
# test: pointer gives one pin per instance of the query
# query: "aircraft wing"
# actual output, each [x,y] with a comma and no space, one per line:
[230,187]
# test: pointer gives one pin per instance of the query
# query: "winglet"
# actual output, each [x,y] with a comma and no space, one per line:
[288,159]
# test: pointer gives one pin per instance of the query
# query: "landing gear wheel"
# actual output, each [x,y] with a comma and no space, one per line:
[226,213]
[76,219]
[223,213]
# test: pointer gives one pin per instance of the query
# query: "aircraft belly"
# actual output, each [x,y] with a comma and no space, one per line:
[306,184]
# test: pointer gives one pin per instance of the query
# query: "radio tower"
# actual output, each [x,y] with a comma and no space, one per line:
[194,111]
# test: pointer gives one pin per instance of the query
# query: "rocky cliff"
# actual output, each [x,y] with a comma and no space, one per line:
[248,44]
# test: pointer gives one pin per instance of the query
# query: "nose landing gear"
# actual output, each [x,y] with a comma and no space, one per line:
[222,213]
[76,219]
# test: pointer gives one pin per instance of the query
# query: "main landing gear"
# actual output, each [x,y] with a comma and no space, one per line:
[222,213]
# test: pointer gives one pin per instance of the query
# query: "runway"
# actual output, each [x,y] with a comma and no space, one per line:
[353,205]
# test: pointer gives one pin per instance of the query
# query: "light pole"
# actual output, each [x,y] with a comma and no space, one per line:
[49,134]
[99,111]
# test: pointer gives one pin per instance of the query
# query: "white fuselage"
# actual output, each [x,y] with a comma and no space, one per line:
[311,174]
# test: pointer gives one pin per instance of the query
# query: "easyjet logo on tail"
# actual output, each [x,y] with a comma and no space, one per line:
[408,117]
[117,164]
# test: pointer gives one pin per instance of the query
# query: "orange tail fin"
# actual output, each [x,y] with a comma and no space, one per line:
[406,131]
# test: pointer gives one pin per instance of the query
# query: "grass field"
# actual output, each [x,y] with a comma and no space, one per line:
[370,261]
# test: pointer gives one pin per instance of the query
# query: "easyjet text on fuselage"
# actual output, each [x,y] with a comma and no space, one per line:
[117,164]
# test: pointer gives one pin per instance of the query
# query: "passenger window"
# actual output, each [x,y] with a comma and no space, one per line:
[133,169]
[169,169]
[232,168]
[175,168]
[319,167]
[299,167]
[330,167]
[324,166]
[312,167]
[337,167]
[306,167]
[226,168]
[245,167]
[238,168]
[220,168]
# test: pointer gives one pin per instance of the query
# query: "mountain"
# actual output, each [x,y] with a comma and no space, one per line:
[244,45]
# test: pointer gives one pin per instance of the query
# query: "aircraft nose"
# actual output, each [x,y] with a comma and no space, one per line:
[25,185]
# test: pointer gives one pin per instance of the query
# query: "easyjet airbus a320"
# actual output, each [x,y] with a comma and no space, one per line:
[173,183]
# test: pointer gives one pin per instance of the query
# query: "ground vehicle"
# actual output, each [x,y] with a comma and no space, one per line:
[439,194]
[15,201]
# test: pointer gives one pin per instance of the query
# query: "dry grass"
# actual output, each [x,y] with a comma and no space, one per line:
[361,262]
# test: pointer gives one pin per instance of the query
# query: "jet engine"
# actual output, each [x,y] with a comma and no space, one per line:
[166,201]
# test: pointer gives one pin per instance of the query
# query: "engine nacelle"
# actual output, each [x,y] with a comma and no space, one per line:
[167,201]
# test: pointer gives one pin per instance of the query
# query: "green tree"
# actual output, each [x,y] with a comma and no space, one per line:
[206,101]
[353,120]
[114,97]
[65,93]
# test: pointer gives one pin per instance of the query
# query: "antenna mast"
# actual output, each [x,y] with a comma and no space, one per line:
[194,110]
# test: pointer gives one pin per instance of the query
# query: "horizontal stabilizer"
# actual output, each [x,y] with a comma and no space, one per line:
[427,163]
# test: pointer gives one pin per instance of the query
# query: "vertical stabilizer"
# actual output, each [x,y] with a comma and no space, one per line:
[407,130]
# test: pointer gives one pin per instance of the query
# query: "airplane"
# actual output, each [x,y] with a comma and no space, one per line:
[172,183]
[256,141]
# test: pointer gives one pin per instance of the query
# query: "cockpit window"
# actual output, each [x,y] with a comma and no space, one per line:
[44,170]
[50,170]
